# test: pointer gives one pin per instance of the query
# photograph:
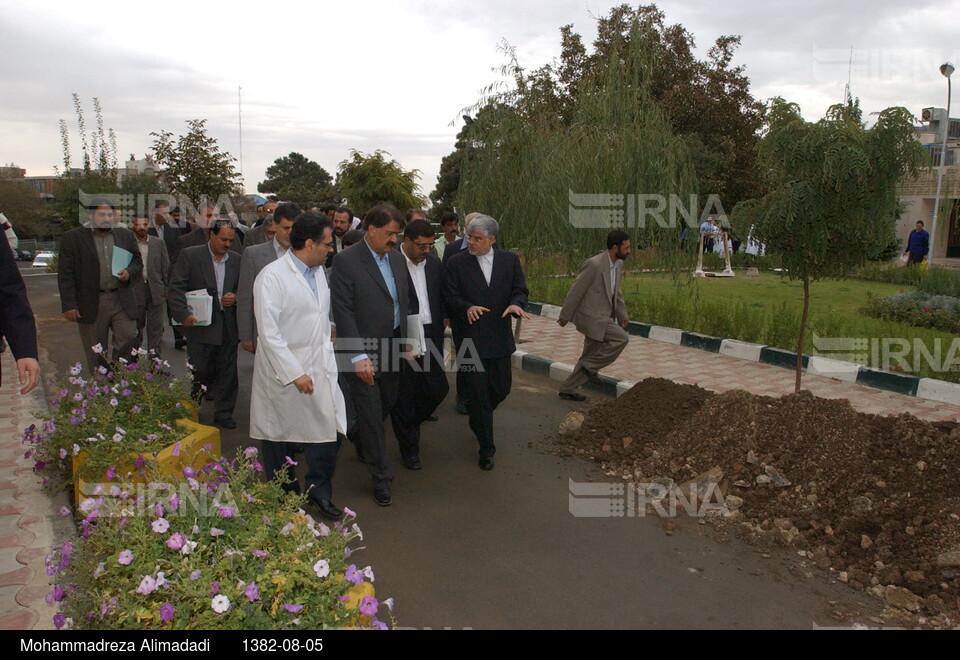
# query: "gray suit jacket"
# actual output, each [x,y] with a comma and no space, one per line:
[194,270]
[362,305]
[253,237]
[254,259]
[590,302]
[155,272]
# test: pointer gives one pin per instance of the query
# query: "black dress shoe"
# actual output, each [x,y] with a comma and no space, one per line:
[462,408]
[382,496]
[227,423]
[412,463]
[572,396]
[328,509]
[486,462]
[180,344]
[433,418]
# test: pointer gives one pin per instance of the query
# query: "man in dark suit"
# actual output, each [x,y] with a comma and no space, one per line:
[200,236]
[456,247]
[368,288]
[167,230]
[101,301]
[483,290]
[152,288]
[254,259]
[16,320]
[423,382]
[212,348]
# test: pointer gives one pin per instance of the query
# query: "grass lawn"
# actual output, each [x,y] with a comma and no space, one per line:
[766,309]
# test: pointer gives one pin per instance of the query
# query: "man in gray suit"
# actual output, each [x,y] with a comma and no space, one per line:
[262,233]
[596,306]
[152,289]
[254,259]
[369,289]
[212,348]
[102,302]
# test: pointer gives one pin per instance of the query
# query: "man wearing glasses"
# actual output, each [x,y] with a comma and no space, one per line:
[423,382]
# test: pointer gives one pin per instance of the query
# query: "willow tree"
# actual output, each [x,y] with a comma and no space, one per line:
[833,192]
[529,162]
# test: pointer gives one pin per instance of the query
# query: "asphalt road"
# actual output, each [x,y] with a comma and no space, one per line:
[463,548]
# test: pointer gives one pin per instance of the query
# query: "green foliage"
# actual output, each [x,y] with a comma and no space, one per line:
[366,180]
[193,164]
[916,308]
[636,59]
[833,197]
[295,178]
[932,279]
[24,208]
[66,206]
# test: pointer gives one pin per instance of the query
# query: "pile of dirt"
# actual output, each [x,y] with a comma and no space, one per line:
[874,499]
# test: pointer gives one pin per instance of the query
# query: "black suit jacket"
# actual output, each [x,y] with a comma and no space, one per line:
[171,233]
[362,304]
[16,317]
[78,273]
[194,270]
[452,248]
[464,286]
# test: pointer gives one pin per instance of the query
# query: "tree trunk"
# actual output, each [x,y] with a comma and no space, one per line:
[803,331]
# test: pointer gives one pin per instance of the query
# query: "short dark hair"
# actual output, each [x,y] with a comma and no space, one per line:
[448,217]
[221,223]
[97,202]
[175,209]
[419,229]
[413,212]
[616,237]
[309,225]
[327,208]
[382,215]
[288,211]
[920,222]
[344,209]
[351,237]
[157,203]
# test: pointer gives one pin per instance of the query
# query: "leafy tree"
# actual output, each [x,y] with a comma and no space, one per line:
[24,208]
[833,191]
[706,103]
[366,180]
[296,178]
[193,164]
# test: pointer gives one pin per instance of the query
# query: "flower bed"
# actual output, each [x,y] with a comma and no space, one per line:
[174,537]
[232,552]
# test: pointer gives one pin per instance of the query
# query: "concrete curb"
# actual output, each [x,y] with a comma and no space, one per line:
[924,388]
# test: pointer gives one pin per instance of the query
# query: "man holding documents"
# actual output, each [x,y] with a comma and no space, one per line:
[203,298]
[423,382]
[97,267]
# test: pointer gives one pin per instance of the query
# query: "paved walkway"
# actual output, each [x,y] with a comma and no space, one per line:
[645,358]
[30,525]
[27,514]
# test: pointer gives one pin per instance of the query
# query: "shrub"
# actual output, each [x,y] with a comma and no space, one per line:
[916,308]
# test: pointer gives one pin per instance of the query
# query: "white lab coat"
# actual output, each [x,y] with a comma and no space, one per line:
[294,339]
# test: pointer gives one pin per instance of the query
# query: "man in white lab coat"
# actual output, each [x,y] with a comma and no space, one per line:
[295,396]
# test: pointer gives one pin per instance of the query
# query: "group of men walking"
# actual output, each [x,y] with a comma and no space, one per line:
[343,336]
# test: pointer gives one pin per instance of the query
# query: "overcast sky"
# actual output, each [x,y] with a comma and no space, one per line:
[327,77]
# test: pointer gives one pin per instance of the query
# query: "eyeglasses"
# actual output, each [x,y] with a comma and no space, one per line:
[424,247]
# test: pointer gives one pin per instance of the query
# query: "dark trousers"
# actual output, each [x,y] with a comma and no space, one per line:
[423,386]
[216,367]
[373,403]
[321,464]
[486,390]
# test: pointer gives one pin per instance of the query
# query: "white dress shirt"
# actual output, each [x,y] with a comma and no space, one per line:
[486,264]
[418,273]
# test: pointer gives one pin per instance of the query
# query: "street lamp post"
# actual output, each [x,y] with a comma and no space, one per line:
[947,70]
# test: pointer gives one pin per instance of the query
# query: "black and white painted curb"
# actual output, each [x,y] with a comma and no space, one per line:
[924,388]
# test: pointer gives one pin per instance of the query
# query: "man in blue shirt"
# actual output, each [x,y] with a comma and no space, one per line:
[918,244]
